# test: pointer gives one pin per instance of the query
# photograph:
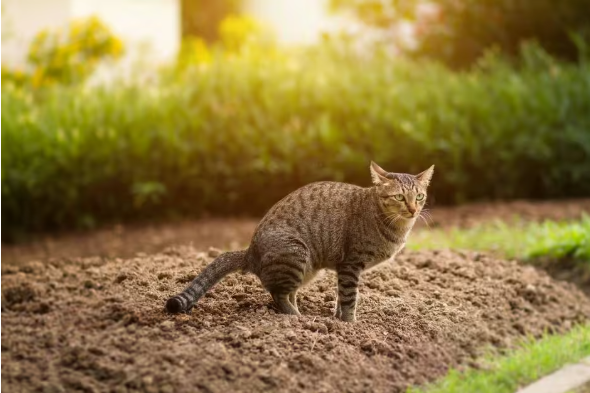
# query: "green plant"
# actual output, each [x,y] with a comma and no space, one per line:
[562,241]
[238,134]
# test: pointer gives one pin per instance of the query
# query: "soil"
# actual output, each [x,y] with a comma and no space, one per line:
[97,325]
[125,241]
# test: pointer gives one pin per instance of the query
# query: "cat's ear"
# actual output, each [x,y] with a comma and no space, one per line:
[425,176]
[378,174]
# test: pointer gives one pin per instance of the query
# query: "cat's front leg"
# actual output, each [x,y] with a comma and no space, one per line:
[348,281]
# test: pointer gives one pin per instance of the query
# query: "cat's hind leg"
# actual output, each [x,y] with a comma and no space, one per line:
[284,304]
[282,273]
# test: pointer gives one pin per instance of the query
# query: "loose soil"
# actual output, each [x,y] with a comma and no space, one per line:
[126,241]
[97,324]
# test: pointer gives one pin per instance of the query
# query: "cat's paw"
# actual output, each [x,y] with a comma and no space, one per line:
[347,317]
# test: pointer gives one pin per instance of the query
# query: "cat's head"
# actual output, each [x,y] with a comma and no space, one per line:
[401,195]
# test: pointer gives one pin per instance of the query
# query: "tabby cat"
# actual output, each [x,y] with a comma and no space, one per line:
[325,225]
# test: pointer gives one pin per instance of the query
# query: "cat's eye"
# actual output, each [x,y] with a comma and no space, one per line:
[419,197]
[398,197]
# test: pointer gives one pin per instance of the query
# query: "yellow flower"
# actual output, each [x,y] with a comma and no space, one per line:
[38,77]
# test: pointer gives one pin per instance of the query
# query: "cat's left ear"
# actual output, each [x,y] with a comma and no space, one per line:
[425,176]
[378,174]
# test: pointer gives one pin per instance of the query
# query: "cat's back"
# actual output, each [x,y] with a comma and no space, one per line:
[326,200]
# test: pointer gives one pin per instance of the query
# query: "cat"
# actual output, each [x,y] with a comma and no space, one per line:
[323,225]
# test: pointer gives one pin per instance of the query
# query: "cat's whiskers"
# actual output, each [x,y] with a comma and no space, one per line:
[427,214]
[392,219]
[424,219]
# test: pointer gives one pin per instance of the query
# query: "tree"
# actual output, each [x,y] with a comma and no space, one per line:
[201,18]
[458,32]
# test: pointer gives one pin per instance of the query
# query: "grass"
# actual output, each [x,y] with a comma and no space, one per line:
[528,362]
[526,241]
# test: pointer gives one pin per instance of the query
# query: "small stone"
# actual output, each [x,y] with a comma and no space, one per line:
[166,389]
[167,324]
[88,284]
[121,277]
[52,388]
[239,296]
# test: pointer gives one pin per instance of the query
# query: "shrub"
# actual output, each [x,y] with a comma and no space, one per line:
[238,134]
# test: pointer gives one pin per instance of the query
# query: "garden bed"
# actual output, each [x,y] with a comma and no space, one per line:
[97,324]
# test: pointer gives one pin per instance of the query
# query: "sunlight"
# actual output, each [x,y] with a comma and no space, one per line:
[294,21]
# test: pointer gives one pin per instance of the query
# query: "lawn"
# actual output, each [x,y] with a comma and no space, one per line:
[522,240]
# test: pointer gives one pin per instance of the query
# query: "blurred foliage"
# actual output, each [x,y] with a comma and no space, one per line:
[562,241]
[234,131]
[240,32]
[201,18]
[193,51]
[459,32]
[238,35]
[66,56]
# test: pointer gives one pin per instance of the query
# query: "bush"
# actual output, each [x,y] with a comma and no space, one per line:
[235,134]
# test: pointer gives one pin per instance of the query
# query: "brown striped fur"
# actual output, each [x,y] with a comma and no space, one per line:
[325,225]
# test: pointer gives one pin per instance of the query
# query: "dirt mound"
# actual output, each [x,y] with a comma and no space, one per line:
[98,325]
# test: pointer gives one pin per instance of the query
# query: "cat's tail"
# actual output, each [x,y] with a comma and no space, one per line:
[223,265]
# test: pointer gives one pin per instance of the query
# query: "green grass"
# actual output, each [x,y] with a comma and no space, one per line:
[523,365]
[528,241]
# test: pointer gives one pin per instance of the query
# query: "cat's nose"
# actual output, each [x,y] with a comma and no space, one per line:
[411,210]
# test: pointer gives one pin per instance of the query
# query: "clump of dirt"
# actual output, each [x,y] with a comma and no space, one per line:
[103,328]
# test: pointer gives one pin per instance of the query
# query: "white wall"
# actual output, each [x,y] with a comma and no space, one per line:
[152,25]
[149,24]
[22,19]
[294,21]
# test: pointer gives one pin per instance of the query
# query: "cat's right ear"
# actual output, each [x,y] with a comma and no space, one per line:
[378,174]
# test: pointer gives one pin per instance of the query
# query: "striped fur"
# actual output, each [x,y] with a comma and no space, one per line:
[223,265]
[325,225]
